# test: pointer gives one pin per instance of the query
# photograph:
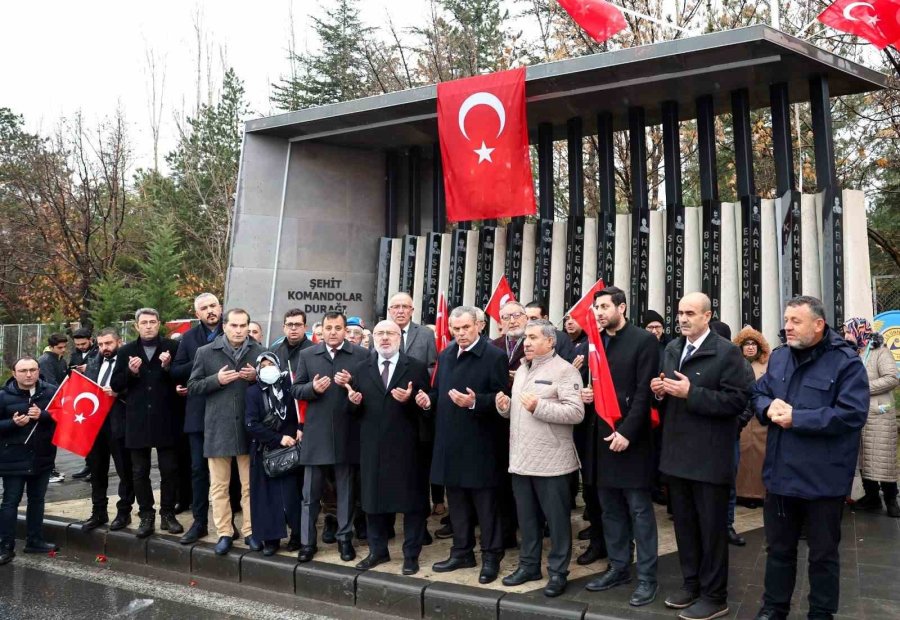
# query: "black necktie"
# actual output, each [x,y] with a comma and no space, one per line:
[333,353]
[104,381]
[690,351]
[385,374]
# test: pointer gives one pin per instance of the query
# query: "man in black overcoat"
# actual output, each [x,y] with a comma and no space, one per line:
[469,374]
[330,434]
[142,370]
[624,452]
[391,465]
[704,385]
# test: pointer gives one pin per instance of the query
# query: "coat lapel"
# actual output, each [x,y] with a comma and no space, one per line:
[398,372]
[412,332]
[375,372]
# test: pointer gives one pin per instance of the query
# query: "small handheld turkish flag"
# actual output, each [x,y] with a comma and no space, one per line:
[484,146]
[79,408]
[599,19]
[442,324]
[875,20]
[502,295]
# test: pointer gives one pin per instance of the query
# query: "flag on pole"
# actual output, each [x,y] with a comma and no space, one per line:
[599,19]
[876,21]
[441,330]
[501,296]
[79,409]
[605,402]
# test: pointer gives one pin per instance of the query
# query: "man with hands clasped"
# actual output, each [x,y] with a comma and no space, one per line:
[392,468]
[544,407]
[704,385]
[469,374]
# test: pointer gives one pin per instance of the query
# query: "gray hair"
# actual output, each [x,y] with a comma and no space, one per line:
[142,311]
[459,311]
[203,296]
[548,329]
[512,303]
[815,305]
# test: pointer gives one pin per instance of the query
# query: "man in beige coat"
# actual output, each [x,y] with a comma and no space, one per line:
[544,407]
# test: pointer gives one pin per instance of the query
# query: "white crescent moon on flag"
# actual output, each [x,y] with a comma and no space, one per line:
[848,10]
[481,98]
[504,299]
[91,397]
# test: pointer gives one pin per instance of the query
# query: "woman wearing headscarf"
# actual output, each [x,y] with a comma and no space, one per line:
[878,444]
[271,418]
[749,483]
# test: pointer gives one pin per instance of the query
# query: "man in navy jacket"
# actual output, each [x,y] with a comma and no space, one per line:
[814,398]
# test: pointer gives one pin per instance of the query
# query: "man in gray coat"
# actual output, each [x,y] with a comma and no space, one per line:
[416,341]
[222,372]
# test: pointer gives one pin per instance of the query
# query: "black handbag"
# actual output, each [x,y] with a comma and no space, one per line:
[281,461]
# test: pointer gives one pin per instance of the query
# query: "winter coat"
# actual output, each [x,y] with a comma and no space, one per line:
[749,482]
[53,368]
[541,442]
[330,434]
[40,452]
[393,475]
[288,357]
[195,406]
[420,344]
[115,419]
[151,417]
[700,430]
[829,394]
[465,442]
[223,419]
[878,448]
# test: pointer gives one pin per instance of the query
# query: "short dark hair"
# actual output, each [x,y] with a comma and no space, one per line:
[335,315]
[109,331]
[236,311]
[616,295]
[55,339]
[815,305]
[537,303]
[82,333]
[295,312]
[24,358]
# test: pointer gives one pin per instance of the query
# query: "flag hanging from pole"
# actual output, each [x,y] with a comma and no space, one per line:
[599,19]
[876,21]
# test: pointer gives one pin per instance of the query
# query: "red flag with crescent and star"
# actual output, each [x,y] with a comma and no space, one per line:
[502,295]
[598,18]
[876,21]
[484,146]
[441,330]
[79,408]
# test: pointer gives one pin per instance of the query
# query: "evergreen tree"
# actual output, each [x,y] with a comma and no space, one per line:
[112,301]
[160,273]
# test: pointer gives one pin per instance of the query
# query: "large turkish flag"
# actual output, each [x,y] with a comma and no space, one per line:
[484,146]
[599,19]
[79,408]
[874,20]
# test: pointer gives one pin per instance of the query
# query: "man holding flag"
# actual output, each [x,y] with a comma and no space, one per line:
[26,455]
[623,454]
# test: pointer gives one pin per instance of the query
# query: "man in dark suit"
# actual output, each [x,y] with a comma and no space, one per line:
[142,368]
[623,454]
[330,435]
[209,311]
[704,385]
[391,466]
[469,374]
[564,347]
[110,441]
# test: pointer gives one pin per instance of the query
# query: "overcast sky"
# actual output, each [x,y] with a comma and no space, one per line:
[61,57]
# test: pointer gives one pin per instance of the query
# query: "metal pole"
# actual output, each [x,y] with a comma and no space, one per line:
[674,213]
[606,222]
[287,163]
[415,191]
[438,198]
[709,195]
[640,214]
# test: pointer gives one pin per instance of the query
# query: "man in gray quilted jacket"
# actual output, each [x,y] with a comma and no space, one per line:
[544,408]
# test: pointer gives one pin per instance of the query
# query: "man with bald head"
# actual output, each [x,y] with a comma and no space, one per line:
[704,385]
[414,340]
[392,468]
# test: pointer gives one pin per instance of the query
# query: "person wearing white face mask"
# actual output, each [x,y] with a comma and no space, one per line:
[271,419]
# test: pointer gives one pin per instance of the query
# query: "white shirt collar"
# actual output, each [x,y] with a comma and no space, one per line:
[471,346]
[699,340]
[393,360]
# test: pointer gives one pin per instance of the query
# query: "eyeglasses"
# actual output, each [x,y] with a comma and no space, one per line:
[400,307]
[295,325]
[383,334]
[512,316]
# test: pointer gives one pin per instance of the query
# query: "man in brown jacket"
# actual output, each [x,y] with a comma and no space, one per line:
[544,407]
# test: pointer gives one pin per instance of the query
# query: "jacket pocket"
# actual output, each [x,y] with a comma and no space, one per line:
[816,392]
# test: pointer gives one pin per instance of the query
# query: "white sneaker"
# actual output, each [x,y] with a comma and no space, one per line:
[57,477]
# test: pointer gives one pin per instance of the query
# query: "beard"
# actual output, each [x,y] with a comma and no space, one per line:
[387,352]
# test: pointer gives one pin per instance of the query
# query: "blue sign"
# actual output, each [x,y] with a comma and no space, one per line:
[888,323]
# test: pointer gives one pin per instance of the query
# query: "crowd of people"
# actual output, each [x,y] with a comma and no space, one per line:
[498,434]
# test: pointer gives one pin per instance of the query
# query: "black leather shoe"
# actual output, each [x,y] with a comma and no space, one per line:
[644,594]
[348,553]
[168,523]
[329,531]
[734,538]
[195,533]
[556,585]
[444,532]
[6,556]
[307,553]
[94,521]
[591,555]
[451,564]
[121,521]
[39,546]
[704,610]
[681,599]
[587,533]
[768,614]
[410,566]
[179,508]
[426,538]
[82,473]
[147,526]
[489,571]
[521,575]
[223,546]
[608,579]
[293,544]
[270,549]
[371,561]
[254,544]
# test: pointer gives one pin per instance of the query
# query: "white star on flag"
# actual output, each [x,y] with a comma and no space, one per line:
[872,20]
[79,418]
[484,153]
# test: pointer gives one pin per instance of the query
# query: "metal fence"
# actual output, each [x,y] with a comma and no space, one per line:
[886,293]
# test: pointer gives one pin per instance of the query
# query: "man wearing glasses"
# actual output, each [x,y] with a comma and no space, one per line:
[415,341]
